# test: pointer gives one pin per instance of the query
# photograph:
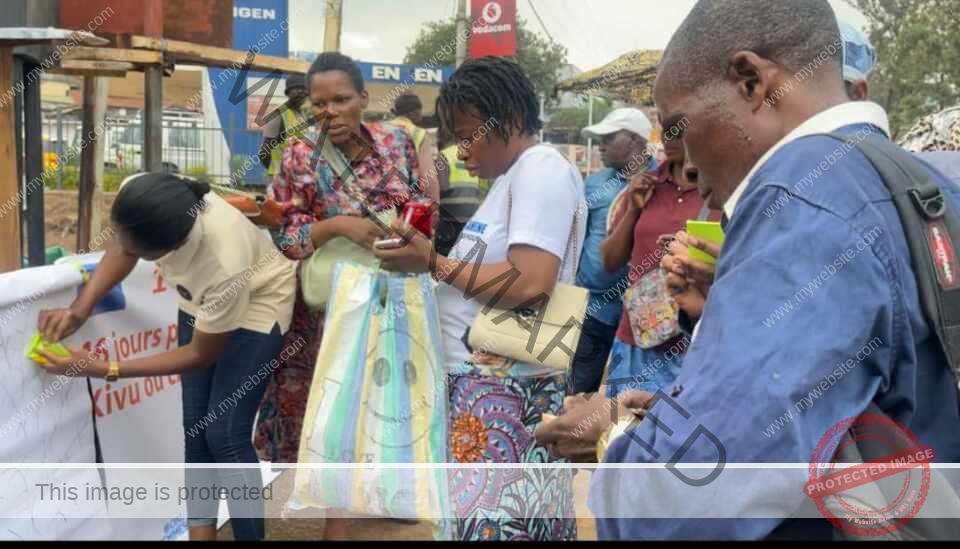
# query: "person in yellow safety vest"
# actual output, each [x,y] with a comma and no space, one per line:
[292,122]
[408,114]
[460,195]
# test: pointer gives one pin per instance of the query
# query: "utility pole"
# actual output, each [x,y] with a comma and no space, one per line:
[543,114]
[332,25]
[589,139]
[95,91]
[461,31]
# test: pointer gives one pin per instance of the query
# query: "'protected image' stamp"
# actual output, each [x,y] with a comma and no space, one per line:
[863,496]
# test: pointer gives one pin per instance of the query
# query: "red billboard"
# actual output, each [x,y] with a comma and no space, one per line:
[493,28]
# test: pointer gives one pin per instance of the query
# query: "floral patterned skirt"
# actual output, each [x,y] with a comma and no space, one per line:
[492,420]
[284,404]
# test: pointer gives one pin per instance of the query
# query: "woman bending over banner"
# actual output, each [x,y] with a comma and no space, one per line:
[236,299]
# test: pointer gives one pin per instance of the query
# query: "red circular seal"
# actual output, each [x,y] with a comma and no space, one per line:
[852,497]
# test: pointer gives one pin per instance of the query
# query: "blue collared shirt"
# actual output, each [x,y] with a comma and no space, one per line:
[601,188]
[946,162]
[815,280]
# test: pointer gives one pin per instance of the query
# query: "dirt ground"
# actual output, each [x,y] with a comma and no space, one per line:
[61,210]
[295,528]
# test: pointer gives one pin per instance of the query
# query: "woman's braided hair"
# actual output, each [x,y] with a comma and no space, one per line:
[491,88]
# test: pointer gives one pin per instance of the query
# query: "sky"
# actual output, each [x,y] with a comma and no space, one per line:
[594,32]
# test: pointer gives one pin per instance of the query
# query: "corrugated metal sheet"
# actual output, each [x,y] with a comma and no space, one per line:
[627,78]
[207,22]
[111,17]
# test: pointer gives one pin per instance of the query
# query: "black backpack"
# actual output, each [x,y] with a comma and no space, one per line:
[932,228]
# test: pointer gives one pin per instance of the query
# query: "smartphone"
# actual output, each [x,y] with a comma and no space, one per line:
[706,230]
[390,244]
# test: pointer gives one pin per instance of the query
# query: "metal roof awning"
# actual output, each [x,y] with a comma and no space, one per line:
[31,36]
[628,78]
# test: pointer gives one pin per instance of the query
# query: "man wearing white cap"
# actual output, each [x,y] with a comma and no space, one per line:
[623,147]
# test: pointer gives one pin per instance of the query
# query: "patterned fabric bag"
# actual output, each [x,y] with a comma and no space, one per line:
[653,313]
[378,396]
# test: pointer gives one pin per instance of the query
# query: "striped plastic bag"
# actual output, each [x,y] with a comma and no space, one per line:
[378,397]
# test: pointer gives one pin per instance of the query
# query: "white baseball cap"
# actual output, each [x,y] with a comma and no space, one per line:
[632,120]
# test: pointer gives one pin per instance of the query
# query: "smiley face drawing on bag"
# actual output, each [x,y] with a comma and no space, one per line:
[385,420]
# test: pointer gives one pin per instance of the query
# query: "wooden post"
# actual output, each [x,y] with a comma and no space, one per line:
[153,119]
[33,166]
[91,159]
[462,25]
[10,258]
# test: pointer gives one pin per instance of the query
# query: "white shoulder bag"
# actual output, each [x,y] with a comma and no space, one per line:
[534,336]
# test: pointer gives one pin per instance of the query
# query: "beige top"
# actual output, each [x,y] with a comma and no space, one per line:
[230,275]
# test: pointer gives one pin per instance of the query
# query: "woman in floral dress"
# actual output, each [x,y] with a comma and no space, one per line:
[316,210]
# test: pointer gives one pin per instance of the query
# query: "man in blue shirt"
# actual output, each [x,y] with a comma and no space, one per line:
[815,278]
[948,162]
[623,147]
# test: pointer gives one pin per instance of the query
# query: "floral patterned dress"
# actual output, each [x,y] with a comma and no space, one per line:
[308,190]
[492,420]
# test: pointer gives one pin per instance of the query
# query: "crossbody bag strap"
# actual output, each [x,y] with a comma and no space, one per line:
[337,161]
[573,227]
[342,169]
[230,190]
[573,238]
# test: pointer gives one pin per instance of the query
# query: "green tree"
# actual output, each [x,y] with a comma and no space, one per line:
[918,51]
[570,122]
[540,57]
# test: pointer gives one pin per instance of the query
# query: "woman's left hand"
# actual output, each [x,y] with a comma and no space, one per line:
[687,295]
[413,256]
[79,362]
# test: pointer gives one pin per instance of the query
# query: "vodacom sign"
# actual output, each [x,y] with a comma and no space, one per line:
[494,28]
[491,13]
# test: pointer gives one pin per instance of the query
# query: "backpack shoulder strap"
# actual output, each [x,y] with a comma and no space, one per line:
[932,229]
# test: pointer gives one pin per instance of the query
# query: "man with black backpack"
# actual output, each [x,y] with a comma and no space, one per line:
[822,271]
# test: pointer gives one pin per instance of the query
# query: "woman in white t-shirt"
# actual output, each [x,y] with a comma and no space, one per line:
[518,245]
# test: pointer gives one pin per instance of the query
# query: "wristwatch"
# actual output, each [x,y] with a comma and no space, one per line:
[113,373]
